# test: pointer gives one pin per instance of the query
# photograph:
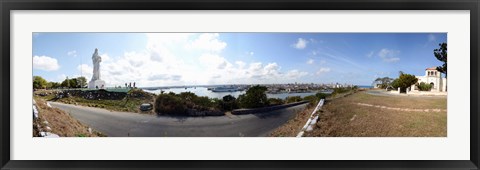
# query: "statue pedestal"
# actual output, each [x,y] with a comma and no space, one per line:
[100,84]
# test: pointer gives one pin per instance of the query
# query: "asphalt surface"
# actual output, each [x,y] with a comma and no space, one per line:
[124,124]
[387,93]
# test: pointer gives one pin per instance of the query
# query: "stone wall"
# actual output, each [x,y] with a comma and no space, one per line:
[92,94]
[265,109]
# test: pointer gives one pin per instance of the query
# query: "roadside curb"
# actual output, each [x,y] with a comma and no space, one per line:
[312,120]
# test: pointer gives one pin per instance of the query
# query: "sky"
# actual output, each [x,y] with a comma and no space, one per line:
[177,59]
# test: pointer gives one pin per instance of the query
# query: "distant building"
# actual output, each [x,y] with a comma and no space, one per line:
[434,78]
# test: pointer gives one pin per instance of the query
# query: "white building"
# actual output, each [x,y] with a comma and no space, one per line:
[434,78]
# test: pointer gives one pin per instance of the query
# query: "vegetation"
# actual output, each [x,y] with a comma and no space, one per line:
[441,55]
[127,103]
[424,86]
[404,81]
[383,82]
[39,82]
[275,101]
[293,99]
[321,95]
[362,114]
[60,122]
[255,97]
[180,104]
[169,104]
[78,82]
[229,102]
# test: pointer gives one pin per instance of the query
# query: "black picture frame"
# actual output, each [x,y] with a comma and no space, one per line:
[8,5]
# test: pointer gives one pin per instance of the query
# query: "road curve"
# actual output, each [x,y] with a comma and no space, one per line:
[124,124]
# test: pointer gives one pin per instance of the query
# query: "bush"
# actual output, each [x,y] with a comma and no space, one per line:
[292,99]
[404,81]
[229,102]
[169,104]
[275,101]
[255,97]
[424,87]
[321,95]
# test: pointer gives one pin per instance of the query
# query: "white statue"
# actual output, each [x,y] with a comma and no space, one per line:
[96,82]
[96,65]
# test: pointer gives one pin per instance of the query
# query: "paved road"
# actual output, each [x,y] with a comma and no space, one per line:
[122,124]
[387,93]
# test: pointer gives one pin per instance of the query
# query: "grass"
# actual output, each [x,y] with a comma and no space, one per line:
[344,117]
[60,122]
[294,126]
[127,104]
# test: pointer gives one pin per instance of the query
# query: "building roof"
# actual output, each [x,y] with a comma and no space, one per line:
[431,68]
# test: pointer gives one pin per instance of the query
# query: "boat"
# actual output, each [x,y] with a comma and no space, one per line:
[226,89]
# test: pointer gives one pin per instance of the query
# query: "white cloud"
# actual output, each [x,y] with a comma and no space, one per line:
[310,61]
[431,38]
[105,57]
[209,42]
[293,74]
[389,55]
[323,70]
[45,63]
[240,64]
[300,44]
[214,61]
[370,54]
[85,71]
[72,53]
[61,77]
[178,59]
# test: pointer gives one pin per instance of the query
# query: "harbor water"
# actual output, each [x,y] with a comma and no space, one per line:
[203,91]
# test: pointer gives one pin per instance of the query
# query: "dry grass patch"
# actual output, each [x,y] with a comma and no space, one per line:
[344,117]
[61,123]
[293,126]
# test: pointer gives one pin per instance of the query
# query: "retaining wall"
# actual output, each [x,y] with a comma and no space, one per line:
[265,109]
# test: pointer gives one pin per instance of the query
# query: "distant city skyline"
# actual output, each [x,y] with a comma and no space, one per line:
[176,59]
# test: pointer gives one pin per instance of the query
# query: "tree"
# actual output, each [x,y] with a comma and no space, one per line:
[229,102]
[81,81]
[383,82]
[55,85]
[68,83]
[441,54]
[254,97]
[404,81]
[39,82]
[73,83]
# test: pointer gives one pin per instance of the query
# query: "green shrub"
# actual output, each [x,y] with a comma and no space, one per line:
[275,101]
[424,87]
[322,95]
[229,102]
[255,97]
[292,99]
[169,104]
[313,99]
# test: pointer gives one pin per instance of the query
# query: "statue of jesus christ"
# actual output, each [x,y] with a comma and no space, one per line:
[96,65]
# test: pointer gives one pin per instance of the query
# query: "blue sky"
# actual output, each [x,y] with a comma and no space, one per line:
[165,59]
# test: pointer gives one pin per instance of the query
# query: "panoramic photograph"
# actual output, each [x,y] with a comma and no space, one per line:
[239,84]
